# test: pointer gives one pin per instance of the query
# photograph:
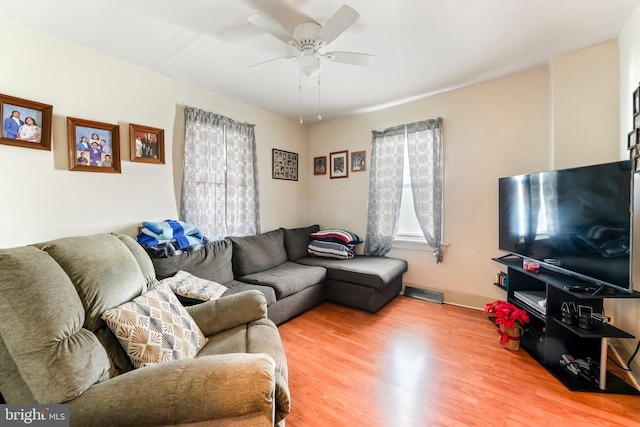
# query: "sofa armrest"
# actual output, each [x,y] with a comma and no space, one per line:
[182,392]
[228,312]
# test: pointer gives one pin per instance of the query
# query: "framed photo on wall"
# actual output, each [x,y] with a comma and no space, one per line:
[146,144]
[339,164]
[93,146]
[25,123]
[285,165]
[320,165]
[358,161]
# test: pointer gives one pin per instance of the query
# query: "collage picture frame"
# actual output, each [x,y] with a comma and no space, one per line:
[25,123]
[284,165]
[93,146]
[633,137]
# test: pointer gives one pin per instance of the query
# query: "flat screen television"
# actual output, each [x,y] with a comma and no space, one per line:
[575,221]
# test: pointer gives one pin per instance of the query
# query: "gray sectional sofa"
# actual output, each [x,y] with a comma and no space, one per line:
[277,264]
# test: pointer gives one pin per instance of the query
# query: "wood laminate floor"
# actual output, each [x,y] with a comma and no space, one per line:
[417,363]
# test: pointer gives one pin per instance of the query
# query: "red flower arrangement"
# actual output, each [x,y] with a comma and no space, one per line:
[508,316]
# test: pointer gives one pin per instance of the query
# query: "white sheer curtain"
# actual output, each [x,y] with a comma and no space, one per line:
[220,178]
[424,145]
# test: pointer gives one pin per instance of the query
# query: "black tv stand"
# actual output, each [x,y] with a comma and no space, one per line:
[546,337]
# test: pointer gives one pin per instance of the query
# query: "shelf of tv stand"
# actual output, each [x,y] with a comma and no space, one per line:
[561,281]
[597,331]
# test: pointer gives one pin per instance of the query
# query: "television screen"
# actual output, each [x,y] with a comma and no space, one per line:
[575,221]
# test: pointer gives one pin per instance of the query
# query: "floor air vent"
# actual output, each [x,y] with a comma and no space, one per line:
[423,294]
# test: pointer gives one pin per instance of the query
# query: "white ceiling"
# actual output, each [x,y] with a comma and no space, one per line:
[421,46]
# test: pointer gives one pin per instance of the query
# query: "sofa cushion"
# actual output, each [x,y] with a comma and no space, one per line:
[189,286]
[154,328]
[235,287]
[296,241]
[372,271]
[287,278]
[56,356]
[259,252]
[212,262]
[101,285]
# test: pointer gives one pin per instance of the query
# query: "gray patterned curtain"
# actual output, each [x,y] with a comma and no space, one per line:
[220,177]
[385,189]
[424,145]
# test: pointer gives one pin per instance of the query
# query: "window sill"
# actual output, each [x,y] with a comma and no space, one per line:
[416,244]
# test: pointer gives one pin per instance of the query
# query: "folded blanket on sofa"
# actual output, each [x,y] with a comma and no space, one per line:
[169,231]
[330,250]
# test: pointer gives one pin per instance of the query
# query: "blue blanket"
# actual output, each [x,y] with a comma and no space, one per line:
[169,231]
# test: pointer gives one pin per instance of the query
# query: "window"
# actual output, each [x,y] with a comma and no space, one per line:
[406,204]
[408,225]
[220,179]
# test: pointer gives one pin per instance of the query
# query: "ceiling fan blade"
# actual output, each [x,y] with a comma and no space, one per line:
[282,58]
[337,24]
[352,58]
[272,28]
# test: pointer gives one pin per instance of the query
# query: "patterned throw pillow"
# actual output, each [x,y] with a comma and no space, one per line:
[189,286]
[154,328]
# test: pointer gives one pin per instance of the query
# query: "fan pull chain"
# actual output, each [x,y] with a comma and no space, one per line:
[319,110]
[300,89]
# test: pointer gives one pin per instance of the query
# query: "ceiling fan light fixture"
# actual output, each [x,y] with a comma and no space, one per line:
[309,64]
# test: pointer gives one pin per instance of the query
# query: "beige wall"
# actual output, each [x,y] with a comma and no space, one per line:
[494,129]
[627,312]
[41,199]
[585,106]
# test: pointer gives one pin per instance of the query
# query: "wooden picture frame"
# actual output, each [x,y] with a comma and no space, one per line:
[632,138]
[146,144]
[284,165]
[636,164]
[358,161]
[93,146]
[636,101]
[35,134]
[339,164]
[320,165]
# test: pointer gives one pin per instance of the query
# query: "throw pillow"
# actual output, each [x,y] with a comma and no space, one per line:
[337,236]
[154,328]
[189,286]
[330,250]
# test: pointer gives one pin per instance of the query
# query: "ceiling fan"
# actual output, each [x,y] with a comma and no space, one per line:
[309,37]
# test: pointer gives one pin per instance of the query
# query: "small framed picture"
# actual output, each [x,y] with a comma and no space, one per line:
[339,164]
[285,165]
[636,164]
[633,152]
[25,123]
[320,165]
[636,101]
[636,121]
[146,144]
[358,161]
[632,139]
[93,146]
